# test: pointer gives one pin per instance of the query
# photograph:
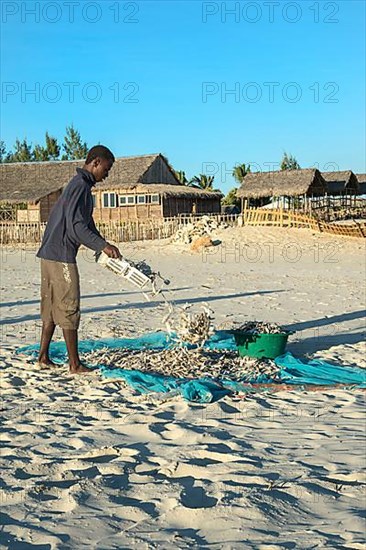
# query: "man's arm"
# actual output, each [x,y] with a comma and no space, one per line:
[111,250]
[87,233]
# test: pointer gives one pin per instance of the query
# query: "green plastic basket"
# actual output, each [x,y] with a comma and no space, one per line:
[269,346]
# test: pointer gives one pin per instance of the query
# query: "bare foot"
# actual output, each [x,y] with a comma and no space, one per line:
[46,362]
[80,369]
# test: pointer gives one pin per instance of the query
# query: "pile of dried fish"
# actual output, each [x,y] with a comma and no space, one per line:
[260,327]
[181,362]
[200,228]
[191,328]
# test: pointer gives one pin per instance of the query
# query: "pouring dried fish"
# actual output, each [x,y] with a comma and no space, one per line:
[192,328]
[140,274]
[147,270]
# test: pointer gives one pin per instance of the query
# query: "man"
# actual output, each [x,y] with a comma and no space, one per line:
[70,224]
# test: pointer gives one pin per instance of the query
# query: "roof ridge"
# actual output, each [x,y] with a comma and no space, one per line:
[58,161]
[282,171]
[38,163]
[337,171]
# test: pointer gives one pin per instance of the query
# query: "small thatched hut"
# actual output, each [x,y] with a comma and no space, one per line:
[295,185]
[341,183]
[361,184]
[136,188]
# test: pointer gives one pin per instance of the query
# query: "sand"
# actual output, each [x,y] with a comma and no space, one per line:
[89,464]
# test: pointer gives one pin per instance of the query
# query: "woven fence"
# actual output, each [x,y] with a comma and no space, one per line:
[114,231]
[137,231]
[286,218]
[32,232]
[21,233]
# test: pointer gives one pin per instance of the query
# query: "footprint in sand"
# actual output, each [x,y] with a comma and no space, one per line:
[20,473]
[65,503]
[56,495]
[174,432]
[76,442]
[99,455]
[16,381]
[213,457]
[195,497]
[279,546]
[84,473]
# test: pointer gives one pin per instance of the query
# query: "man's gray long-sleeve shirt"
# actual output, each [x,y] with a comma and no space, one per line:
[71,223]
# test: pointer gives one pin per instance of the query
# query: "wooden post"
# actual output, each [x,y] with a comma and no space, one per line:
[246,208]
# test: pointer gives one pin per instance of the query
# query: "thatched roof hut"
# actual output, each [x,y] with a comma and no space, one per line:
[361,184]
[31,181]
[290,183]
[341,182]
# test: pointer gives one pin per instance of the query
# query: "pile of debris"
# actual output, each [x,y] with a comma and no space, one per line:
[201,228]
[182,362]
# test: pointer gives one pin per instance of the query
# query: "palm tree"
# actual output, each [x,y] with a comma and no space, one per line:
[181,176]
[240,171]
[231,199]
[203,181]
[289,162]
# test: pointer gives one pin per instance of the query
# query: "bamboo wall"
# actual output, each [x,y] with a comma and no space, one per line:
[125,213]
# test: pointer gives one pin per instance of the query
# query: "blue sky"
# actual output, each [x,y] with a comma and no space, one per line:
[174,64]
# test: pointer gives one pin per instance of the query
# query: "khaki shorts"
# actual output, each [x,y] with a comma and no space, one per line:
[60,294]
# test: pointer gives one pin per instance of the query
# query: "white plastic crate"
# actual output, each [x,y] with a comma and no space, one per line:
[124,269]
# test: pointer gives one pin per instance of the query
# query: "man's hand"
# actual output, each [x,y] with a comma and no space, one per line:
[112,251]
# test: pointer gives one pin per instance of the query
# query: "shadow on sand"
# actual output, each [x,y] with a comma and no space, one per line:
[325,333]
[145,305]
[86,297]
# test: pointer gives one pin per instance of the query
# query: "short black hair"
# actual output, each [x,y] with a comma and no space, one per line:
[99,151]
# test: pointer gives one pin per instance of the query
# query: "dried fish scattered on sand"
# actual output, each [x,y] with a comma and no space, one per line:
[182,362]
[260,327]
